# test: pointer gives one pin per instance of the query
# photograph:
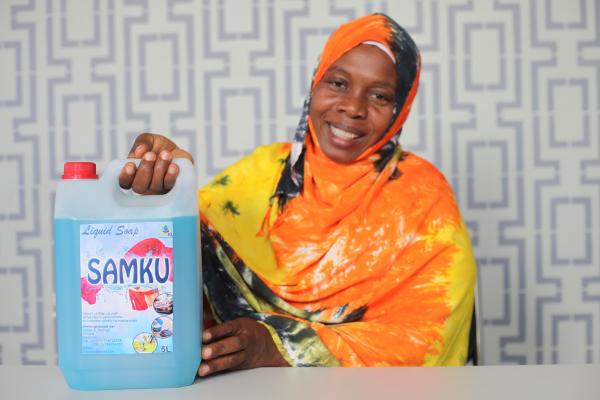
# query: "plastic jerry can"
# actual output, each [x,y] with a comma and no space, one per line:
[128,281]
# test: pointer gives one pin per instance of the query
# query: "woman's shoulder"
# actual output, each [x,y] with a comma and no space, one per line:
[421,178]
[273,152]
[419,168]
[261,164]
[265,156]
[420,185]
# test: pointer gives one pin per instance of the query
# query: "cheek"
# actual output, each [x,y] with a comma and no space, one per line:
[316,105]
[382,121]
[312,113]
[322,102]
[313,110]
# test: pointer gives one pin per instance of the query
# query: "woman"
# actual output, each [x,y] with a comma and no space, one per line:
[339,248]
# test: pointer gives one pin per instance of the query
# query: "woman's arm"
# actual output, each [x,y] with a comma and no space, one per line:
[237,344]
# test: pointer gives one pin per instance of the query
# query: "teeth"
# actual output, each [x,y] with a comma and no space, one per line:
[342,134]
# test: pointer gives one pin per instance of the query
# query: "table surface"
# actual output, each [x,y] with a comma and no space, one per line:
[547,382]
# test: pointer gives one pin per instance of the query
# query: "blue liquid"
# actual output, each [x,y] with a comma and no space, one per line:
[121,371]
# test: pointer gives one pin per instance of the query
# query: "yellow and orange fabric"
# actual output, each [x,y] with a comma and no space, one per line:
[361,264]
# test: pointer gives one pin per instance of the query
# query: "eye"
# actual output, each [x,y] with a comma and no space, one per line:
[381,98]
[337,83]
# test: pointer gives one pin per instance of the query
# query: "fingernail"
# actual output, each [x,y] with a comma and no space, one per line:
[207,352]
[149,156]
[165,155]
[139,149]
[129,169]
[204,369]
[172,169]
[205,335]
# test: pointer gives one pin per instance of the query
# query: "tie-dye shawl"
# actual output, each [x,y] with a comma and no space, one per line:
[364,264]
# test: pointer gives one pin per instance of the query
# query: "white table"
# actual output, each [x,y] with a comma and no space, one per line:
[545,382]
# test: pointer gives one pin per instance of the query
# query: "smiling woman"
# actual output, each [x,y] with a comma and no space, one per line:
[339,248]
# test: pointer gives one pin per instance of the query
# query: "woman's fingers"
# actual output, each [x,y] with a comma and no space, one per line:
[229,345]
[157,184]
[171,176]
[218,331]
[141,149]
[156,173]
[224,348]
[143,144]
[236,344]
[145,171]
[127,175]
[230,361]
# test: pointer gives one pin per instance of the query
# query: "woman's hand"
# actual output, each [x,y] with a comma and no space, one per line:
[156,173]
[241,343]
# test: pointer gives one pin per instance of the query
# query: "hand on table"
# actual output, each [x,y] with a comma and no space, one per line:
[156,173]
[241,343]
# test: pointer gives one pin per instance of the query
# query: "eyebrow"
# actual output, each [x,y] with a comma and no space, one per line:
[379,83]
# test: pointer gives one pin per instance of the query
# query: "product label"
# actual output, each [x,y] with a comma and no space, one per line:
[126,287]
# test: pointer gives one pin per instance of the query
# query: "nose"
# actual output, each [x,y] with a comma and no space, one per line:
[354,105]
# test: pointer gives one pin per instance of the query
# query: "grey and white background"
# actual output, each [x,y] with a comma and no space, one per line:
[509,110]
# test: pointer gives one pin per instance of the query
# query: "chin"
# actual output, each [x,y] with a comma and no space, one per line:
[339,158]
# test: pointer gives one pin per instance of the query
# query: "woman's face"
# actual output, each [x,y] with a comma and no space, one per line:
[353,103]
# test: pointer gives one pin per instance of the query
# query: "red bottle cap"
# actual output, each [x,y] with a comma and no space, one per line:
[80,170]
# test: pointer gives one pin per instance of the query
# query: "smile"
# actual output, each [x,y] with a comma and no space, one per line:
[342,134]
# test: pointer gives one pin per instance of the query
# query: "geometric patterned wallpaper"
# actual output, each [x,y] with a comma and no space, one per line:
[508,109]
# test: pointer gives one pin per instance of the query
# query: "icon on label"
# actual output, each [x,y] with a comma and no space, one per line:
[162,327]
[145,343]
[163,304]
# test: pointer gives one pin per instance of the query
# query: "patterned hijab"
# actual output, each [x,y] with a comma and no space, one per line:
[323,205]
